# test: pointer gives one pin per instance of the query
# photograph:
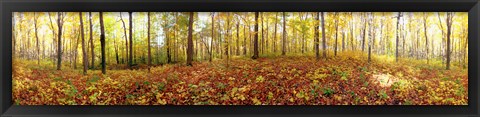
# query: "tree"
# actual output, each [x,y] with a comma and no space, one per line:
[167,39]
[213,37]
[262,44]
[238,38]
[284,38]
[352,25]
[125,36]
[371,35]
[324,43]
[53,37]
[115,47]
[398,34]
[425,33]
[14,35]
[91,40]
[36,36]
[102,43]
[244,37]
[317,37]
[364,32]
[449,27]
[336,32]
[59,49]
[130,58]
[275,34]
[84,51]
[255,40]
[148,41]
[190,42]
[227,40]
[343,40]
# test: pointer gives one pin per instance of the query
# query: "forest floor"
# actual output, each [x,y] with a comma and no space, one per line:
[347,79]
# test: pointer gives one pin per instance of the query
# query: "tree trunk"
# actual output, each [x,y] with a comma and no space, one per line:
[148,41]
[266,36]
[59,49]
[175,49]
[371,36]
[255,40]
[115,47]
[167,41]
[364,33]
[336,33]
[227,40]
[213,37]
[262,41]
[398,34]
[343,41]
[317,37]
[130,59]
[244,40]
[449,26]
[84,51]
[351,36]
[75,49]
[284,38]
[125,37]
[238,38]
[36,36]
[324,42]
[190,42]
[91,40]
[102,42]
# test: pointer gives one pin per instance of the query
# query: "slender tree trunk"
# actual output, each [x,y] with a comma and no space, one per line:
[59,49]
[36,36]
[130,59]
[75,49]
[244,40]
[168,43]
[284,38]
[190,42]
[263,34]
[425,33]
[398,33]
[336,33]
[255,41]
[213,37]
[227,40]
[266,36]
[175,49]
[324,42]
[102,42]
[238,38]
[343,41]
[364,34]
[84,51]
[148,41]
[125,37]
[449,26]
[275,34]
[115,46]
[92,46]
[351,36]
[53,39]
[371,36]
[317,37]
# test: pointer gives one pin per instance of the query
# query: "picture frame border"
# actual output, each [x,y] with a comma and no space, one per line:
[7,7]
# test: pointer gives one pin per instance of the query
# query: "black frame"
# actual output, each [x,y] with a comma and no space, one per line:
[9,6]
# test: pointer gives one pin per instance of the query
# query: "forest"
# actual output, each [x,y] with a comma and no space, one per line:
[240,58]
